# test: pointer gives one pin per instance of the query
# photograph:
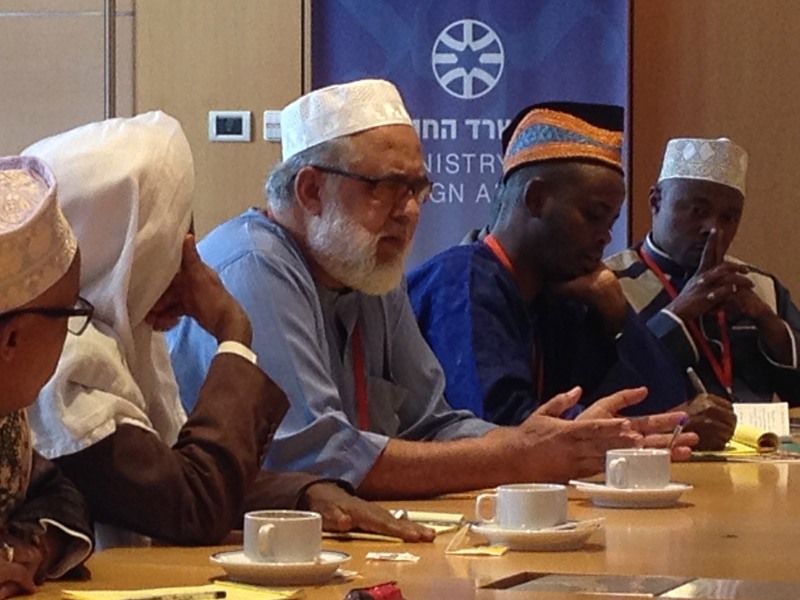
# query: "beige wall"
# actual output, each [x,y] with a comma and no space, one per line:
[52,67]
[193,56]
[724,67]
[716,67]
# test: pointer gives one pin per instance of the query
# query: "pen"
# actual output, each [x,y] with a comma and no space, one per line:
[677,431]
[210,595]
[697,383]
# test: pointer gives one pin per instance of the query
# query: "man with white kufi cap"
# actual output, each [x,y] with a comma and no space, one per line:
[732,326]
[44,522]
[111,416]
[320,274]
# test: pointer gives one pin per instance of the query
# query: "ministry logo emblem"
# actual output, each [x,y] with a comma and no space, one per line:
[467,59]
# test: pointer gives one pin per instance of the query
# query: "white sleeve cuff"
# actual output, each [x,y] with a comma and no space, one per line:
[78,549]
[239,349]
[685,330]
[793,364]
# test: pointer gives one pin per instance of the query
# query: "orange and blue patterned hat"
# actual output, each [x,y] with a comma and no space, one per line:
[564,131]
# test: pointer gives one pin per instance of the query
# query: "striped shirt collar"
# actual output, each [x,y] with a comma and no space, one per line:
[663,260]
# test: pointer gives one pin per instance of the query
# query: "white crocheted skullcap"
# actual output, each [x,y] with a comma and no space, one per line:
[719,160]
[339,110]
[37,245]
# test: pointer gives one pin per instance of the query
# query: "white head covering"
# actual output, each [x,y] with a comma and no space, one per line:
[720,160]
[37,245]
[340,110]
[125,186]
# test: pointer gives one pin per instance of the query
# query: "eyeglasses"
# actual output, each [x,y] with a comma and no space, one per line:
[393,187]
[78,317]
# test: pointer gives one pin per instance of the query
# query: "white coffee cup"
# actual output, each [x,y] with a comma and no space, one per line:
[525,506]
[638,468]
[282,536]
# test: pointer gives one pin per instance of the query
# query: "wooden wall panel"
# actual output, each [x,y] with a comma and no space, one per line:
[193,56]
[724,68]
[51,73]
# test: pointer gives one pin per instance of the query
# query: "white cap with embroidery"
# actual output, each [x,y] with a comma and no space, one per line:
[37,244]
[340,110]
[720,160]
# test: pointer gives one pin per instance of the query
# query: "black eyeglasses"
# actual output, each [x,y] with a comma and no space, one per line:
[392,187]
[78,317]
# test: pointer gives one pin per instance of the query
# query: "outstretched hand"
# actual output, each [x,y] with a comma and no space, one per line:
[561,449]
[197,291]
[653,430]
[656,430]
[342,511]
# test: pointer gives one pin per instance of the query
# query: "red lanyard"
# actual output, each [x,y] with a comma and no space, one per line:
[723,368]
[538,355]
[360,379]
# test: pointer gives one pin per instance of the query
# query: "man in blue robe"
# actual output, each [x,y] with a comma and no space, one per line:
[529,311]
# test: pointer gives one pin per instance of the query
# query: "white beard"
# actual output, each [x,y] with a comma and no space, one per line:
[348,252]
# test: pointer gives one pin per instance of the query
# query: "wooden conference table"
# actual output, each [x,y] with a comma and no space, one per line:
[741,520]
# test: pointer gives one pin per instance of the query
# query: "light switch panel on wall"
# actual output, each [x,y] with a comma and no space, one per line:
[272,125]
[229,125]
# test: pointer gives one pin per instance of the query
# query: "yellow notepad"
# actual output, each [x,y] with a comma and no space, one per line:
[747,438]
[747,441]
[231,591]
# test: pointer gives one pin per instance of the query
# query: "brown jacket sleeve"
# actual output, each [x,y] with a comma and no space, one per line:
[52,496]
[193,492]
[278,490]
[54,501]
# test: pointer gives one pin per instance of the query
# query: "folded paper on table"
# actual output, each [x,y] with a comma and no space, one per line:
[393,556]
[466,543]
[221,589]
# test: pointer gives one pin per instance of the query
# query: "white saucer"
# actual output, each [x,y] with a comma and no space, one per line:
[540,540]
[611,497]
[240,568]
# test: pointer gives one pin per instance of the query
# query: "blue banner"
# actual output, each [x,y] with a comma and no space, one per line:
[465,68]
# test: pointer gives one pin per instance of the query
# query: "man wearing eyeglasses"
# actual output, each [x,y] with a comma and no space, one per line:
[45,529]
[320,275]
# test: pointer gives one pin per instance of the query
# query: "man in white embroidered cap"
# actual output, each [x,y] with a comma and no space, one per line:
[732,326]
[45,530]
[320,274]
[110,416]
